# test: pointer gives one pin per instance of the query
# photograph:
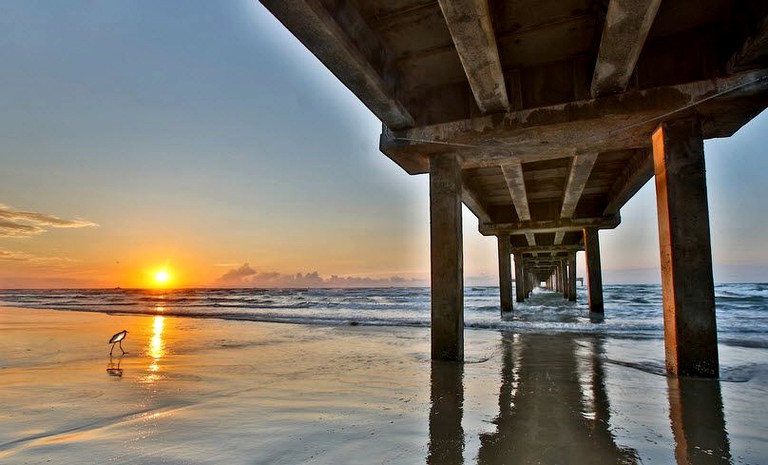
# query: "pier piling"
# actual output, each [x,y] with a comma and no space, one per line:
[505,272]
[447,272]
[594,272]
[690,332]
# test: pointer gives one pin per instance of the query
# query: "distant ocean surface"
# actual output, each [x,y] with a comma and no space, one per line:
[630,310]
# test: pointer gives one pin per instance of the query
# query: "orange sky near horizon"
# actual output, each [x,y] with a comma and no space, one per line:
[208,140]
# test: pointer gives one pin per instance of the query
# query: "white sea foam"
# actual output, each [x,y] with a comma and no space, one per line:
[632,311]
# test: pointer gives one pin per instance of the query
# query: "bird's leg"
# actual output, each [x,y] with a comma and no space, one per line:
[110,350]
[121,346]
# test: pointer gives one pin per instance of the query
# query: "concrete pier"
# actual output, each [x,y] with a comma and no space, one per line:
[566,277]
[505,272]
[542,120]
[690,331]
[594,271]
[446,258]
[520,278]
[572,277]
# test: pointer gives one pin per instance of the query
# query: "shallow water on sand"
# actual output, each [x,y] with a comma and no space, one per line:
[215,391]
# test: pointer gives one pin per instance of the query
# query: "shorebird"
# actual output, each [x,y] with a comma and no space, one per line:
[117,339]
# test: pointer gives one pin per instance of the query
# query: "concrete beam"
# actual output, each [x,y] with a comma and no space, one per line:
[611,123]
[559,236]
[638,171]
[626,26]
[690,330]
[446,258]
[345,44]
[505,273]
[754,52]
[531,238]
[547,249]
[534,264]
[513,175]
[581,168]
[469,22]
[594,270]
[549,226]
[475,205]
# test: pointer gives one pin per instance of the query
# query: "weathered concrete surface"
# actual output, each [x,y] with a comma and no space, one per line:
[505,273]
[446,258]
[572,276]
[470,24]
[581,167]
[594,270]
[348,47]
[513,174]
[566,285]
[626,26]
[690,331]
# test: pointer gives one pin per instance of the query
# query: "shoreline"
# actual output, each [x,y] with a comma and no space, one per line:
[646,334]
[214,391]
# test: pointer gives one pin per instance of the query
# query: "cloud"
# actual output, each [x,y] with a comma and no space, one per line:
[12,256]
[18,223]
[245,276]
[237,274]
[15,256]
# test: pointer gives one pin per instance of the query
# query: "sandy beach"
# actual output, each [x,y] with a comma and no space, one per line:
[213,391]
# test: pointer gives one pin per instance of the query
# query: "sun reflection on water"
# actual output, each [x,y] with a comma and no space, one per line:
[156,348]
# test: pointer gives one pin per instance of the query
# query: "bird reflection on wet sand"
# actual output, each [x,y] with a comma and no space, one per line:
[113,368]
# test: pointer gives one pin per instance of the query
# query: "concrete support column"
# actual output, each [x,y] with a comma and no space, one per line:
[572,276]
[519,278]
[594,272]
[690,331]
[446,258]
[566,285]
[505,272]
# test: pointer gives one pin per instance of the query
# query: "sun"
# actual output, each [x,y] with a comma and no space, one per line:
[162,277]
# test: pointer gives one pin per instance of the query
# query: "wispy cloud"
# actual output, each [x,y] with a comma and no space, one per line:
[15,256]
[12,256]
[19,223]
[245,276]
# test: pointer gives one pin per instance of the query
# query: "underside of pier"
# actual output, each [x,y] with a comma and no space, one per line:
[544,117]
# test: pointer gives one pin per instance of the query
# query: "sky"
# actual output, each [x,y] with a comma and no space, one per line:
[202,137]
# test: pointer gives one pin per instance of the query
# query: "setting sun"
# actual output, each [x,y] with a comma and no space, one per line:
[162,277]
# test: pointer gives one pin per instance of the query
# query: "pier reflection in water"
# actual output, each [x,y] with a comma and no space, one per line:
[553,407]
[698,421]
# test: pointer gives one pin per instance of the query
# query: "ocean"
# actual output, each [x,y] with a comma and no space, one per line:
[631,311]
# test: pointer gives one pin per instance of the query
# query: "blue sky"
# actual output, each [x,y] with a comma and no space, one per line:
[204,135]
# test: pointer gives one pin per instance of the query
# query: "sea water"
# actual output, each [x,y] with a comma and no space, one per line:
[632,311]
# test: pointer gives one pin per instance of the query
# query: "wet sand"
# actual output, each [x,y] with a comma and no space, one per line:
[214,391]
